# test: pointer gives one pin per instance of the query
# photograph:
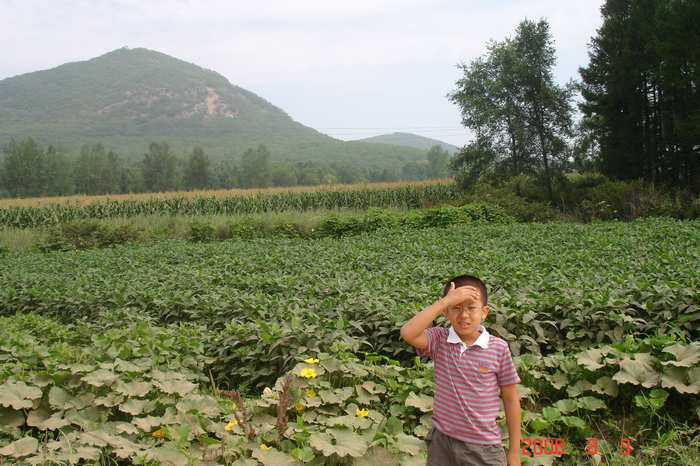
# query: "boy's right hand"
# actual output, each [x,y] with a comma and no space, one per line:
[459,295]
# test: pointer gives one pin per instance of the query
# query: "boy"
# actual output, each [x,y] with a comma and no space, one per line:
[472,368]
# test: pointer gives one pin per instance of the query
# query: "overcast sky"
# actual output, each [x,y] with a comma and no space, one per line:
[350,68]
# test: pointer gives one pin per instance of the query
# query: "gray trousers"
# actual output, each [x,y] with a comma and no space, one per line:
[447,451]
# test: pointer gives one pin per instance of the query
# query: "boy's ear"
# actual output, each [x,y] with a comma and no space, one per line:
[485,310]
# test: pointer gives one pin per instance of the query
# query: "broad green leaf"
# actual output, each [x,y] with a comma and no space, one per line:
[100,378]
[322,442]
[109,400]
[273,457]
[204,405]
[348,421]
[136,388]
[575,422]
[374,388]
[682,379]
[129,366]
[638,371]
[58,398]
[592,359]
[559,380]
[181,387]
[422,402]
[566,406]
[20,448]
[653,400]
[378,456]
[686,355]
[551,413]
[147,423]
[18,395]
[40,419]
[336,396]
[348,443]
[85,418]
[539,424]
[133,406]
[578,388]
[167,454]
[407,460]
[605,386]
[590,403]
[410,444]
[364,397]
[305,455]
[11,418]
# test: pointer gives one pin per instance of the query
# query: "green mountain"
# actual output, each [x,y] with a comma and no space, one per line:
[128,98]
[410,140]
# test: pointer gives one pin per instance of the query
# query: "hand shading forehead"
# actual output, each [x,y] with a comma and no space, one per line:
[473,289]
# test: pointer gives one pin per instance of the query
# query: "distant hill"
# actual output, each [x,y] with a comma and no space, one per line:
[130,97]
[410,140]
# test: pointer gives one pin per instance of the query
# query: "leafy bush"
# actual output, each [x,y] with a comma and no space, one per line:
[88,234]
[337,226]
[201,232]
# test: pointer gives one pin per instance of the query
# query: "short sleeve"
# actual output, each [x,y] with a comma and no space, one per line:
[507,374]
[435,336]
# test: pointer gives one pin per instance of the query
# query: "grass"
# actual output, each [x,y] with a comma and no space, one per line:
[159,227]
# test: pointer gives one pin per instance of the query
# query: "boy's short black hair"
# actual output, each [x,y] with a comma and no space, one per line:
[465,280]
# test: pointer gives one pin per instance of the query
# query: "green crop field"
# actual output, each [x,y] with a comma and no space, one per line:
[286,350]
[360,196]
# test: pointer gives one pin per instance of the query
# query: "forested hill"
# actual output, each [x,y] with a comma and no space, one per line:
[130,97]
[410,140]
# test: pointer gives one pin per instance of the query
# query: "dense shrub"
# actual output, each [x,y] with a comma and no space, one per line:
[201,231]
[86,234]
[584,197]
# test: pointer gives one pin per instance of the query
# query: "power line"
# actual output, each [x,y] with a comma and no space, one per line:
[395,128]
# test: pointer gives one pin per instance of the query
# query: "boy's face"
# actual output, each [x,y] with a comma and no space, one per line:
[466,318]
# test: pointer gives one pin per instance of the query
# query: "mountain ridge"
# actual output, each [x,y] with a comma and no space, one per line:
[129,97]
[410,140]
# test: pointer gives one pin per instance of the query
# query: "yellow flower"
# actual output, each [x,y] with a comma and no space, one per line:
[264,447]
[308,373]
[310,393]
[361,412]
[299,406]
[160,433]
[229,427]
[311,361]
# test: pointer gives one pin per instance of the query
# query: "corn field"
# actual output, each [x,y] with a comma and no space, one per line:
[406,196]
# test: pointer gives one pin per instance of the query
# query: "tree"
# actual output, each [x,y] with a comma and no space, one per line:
[158,168]
[438,162]
[96,171]
[24,172]
[641,91]
[255,168]
[197,170]
[417,170]
[283,174]
[521,117]
[58,179]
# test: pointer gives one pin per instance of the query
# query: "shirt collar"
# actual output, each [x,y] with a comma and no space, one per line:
[482,340]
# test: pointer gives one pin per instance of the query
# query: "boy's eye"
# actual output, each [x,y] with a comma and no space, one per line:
[471,310]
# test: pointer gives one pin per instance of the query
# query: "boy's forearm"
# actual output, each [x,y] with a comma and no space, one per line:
[421,321]
[512,409]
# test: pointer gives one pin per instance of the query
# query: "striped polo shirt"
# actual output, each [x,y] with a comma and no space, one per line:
[467,384]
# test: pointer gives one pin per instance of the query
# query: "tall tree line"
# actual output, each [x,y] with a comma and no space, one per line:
[27,169]
[640,90]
